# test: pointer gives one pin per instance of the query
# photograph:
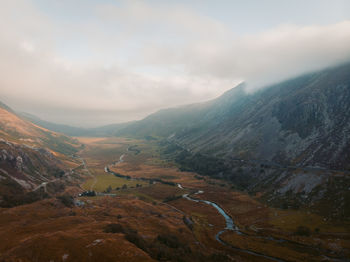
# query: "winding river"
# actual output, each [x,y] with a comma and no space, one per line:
[230,225]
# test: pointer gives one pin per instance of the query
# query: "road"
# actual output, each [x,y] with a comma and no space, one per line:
[44,184]
[89,173]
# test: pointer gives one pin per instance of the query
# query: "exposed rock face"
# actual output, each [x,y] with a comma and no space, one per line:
[29,169]
[37,164]
[19,163]
[22,170]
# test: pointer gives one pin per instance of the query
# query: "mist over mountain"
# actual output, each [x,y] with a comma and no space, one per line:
[178,131]
[303,121]
[289,142]
[118,65]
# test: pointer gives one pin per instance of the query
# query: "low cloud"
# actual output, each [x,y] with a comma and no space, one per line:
[117,64]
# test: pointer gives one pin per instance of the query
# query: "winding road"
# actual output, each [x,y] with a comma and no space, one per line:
[88,171]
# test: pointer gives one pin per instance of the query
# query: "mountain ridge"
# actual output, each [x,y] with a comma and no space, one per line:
[299,111]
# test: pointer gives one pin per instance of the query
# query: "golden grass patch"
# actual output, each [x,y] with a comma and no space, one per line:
[106,180]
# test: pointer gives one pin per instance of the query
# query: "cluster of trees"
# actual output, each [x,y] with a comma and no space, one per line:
[305,231]
[109,188]
[89,193]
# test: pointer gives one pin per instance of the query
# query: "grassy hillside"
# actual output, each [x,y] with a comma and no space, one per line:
[16,129]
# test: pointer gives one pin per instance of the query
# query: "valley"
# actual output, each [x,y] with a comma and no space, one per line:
[261,231]
[224,180]
[175,131]
[149,220]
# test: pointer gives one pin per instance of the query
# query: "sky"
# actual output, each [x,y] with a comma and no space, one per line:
[95,62]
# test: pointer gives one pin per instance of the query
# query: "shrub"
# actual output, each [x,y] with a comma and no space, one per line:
[303,231]
[113,228]
[169,240]
[108,189]
[66,200]
[133,237]
[171,198]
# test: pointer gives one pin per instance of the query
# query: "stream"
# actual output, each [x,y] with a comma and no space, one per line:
[230,225]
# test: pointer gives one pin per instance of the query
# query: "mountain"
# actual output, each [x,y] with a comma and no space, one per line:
[32,159]
[289,142]
[304,121]
[102,131]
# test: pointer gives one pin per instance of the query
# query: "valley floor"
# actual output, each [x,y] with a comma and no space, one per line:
[140,214]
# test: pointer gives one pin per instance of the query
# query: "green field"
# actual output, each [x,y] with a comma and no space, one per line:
[106,180]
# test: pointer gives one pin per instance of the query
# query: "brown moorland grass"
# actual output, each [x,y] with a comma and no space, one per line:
[54,231]
[252,216]
[270,248]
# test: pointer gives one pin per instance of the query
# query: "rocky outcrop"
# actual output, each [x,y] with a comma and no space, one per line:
[23,169]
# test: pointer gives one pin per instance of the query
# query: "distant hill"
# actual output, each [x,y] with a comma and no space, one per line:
[103,131]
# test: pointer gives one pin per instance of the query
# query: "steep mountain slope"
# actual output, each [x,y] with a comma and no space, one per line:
[25,173]
[304,121]
[31,160]
[194,117]
[16,129]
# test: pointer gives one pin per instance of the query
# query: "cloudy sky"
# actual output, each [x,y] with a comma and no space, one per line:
[95,62]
